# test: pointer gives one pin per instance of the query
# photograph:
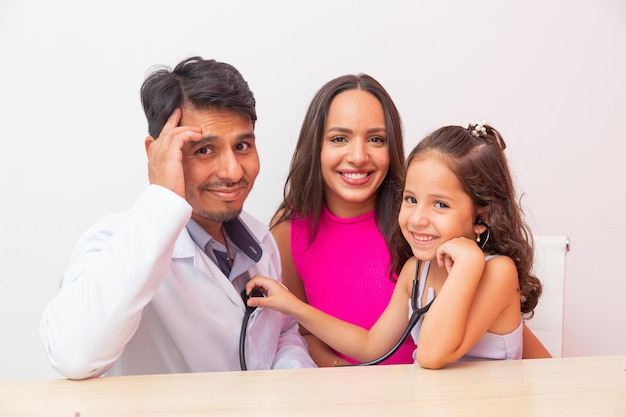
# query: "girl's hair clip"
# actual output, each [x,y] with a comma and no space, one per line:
[477,128]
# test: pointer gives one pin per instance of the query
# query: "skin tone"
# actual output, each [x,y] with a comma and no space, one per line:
[355,153]
[354,162]
[473,296]
[208,157]
[533,348]
[437,218]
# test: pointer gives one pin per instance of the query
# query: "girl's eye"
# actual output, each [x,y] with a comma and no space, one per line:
[441,205]
[410,200]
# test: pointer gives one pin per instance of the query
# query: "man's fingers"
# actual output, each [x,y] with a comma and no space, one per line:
[176,135]
[172,121]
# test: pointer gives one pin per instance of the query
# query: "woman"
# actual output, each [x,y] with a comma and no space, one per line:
[335,225]
[464,258]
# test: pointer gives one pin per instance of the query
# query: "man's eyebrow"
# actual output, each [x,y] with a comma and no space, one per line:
[205,140]
[245,136]
[213,138]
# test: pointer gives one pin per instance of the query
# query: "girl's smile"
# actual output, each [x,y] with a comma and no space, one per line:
[435,208]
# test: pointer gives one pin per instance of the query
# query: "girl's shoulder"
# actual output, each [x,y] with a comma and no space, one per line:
[409,269]
[499,260]
[500,267]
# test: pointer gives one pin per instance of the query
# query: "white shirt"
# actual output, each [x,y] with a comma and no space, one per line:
[140,297]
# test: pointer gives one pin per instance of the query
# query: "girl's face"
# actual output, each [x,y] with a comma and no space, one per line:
[355,153]
[435,208]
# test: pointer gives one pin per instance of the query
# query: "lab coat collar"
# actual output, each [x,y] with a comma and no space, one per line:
[186,248]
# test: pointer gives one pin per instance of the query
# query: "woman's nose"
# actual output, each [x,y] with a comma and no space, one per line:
[357,154]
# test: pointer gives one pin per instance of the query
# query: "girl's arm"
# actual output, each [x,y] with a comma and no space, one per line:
[476,297]
[344,337]
[319,351]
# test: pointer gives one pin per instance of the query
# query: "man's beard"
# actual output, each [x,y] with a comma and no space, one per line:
[220,216]
[227,214]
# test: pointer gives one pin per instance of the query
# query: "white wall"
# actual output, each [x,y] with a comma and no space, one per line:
[550,75]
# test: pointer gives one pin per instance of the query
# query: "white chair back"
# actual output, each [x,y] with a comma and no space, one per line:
[549,267]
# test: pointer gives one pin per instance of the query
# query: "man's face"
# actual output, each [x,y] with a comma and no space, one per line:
[220,169]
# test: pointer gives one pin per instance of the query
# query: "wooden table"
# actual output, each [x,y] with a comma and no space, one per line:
[593,386]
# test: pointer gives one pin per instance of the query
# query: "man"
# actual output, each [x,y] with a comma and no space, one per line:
[157,289]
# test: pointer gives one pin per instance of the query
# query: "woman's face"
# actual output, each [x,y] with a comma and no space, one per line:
[355,153]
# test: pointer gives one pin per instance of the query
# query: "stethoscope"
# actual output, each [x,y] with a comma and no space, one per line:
[415,316]
[244,325]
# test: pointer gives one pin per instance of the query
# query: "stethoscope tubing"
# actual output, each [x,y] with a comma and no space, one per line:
[415,316]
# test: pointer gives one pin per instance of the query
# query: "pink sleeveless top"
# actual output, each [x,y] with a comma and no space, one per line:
[345,271]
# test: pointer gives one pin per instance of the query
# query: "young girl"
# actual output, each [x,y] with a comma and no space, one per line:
[466,248]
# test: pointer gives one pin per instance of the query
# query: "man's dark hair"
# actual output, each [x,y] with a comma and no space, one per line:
[199,83]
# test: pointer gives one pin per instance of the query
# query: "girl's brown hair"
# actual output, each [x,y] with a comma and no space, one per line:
[476,156]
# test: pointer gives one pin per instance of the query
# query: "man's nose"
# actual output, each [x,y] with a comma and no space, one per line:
[229,167]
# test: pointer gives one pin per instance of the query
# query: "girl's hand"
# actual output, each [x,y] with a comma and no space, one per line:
[458,251]
[277,296]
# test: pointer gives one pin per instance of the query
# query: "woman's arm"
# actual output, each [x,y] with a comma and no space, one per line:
[533,348]
[321,353]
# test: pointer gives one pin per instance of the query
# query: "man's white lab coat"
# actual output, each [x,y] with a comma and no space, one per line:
[139,297]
